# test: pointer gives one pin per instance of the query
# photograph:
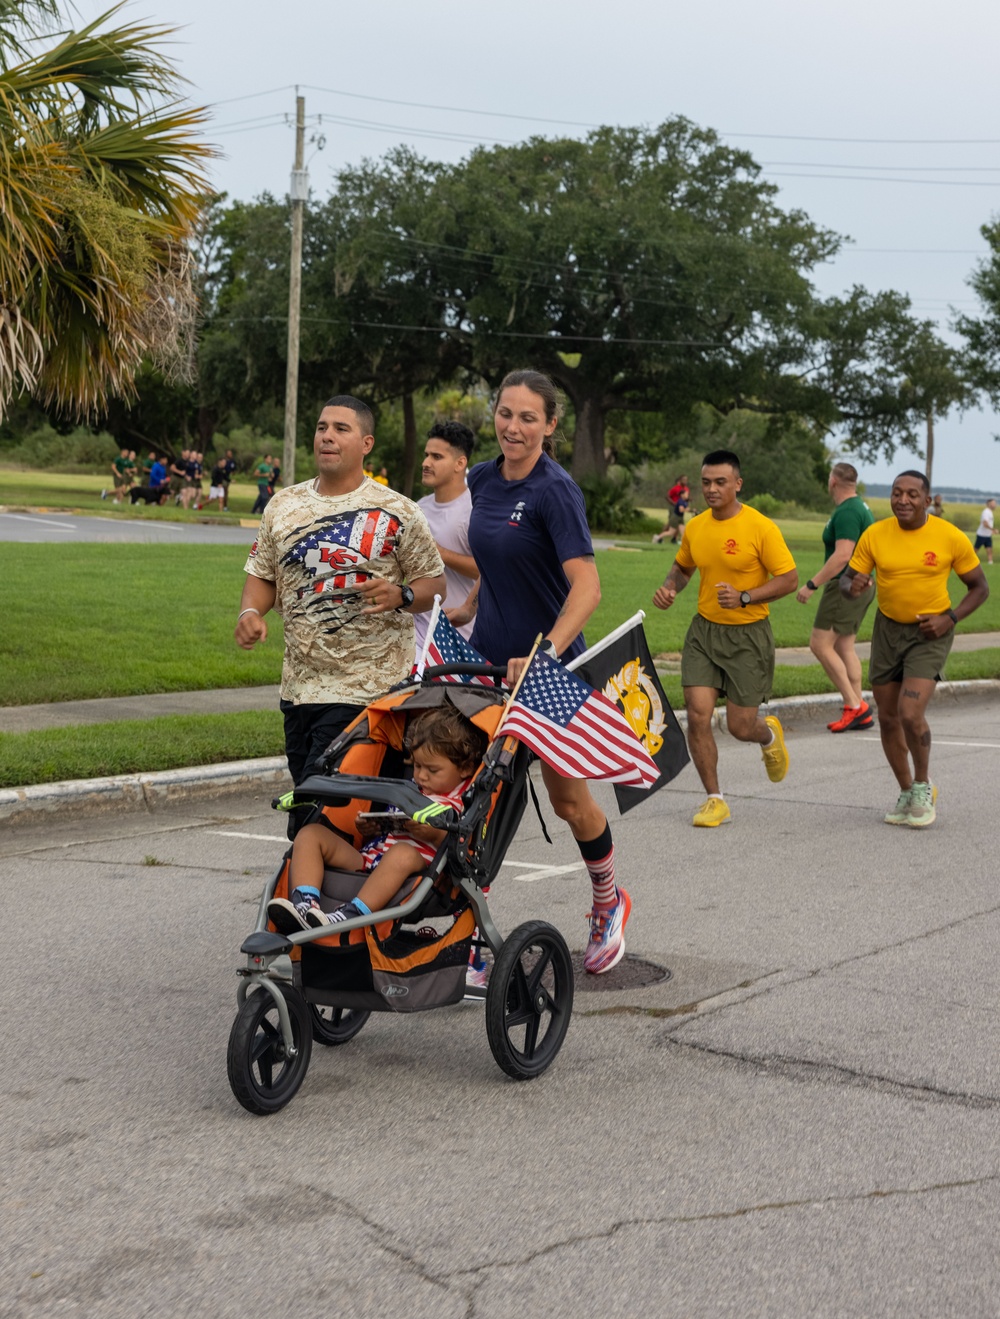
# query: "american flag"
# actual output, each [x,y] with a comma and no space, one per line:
[576,729]
[446,645]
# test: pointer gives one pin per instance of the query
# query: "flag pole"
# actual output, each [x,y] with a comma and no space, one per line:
[596,649]
[517,687]
[432,623]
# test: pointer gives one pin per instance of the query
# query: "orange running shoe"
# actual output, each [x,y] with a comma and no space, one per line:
[859,716]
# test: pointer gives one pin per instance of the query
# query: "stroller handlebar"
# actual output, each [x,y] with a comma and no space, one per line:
[339,789]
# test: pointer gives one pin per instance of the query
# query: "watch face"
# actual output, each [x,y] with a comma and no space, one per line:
[407,595]
[744,598]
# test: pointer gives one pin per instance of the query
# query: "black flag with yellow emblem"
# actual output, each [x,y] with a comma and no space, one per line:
[622,668]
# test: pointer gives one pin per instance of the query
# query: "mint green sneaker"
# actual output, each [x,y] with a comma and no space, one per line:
[922,810]
[900,812]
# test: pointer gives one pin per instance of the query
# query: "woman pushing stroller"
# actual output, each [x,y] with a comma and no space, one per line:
[531,542]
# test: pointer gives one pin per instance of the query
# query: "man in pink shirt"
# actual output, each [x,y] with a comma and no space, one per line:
[447,510]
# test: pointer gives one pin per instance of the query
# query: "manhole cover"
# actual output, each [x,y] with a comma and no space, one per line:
[630,973]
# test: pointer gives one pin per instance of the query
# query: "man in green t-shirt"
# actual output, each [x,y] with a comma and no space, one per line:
[838,618]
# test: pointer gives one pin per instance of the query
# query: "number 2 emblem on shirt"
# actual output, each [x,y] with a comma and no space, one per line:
[730,547]
[930,559]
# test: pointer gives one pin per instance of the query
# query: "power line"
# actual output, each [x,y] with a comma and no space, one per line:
[876,178]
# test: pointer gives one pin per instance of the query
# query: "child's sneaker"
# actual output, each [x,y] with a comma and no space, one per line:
[286,917]
[606,945]
[316,916]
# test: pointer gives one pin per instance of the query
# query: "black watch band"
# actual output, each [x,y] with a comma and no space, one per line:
[812,585]
[953,616]
[407,600]
[744,599]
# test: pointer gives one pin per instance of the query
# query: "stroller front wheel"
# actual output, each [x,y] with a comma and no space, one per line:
[336,1025]
[262,1073]
[529,999]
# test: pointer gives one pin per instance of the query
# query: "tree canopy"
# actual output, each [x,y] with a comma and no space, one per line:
[101,184]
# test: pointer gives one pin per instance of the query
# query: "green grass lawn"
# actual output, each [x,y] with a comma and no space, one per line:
[81,492]
[110,620]
[173,741]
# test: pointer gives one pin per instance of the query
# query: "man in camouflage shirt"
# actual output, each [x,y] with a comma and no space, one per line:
[346,562]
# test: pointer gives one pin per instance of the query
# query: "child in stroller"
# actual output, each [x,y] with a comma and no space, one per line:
[445,748]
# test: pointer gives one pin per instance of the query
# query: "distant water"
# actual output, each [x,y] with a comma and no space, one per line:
[950,494]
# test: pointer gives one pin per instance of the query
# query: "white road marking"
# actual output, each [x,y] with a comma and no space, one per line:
[23,517]
[541,872]
[264,838]
[945,742]
[538,871]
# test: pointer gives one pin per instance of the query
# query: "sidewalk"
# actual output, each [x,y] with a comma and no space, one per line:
[60,714]
[149,792]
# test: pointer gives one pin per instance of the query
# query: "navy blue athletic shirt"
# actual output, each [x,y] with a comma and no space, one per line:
[521,533]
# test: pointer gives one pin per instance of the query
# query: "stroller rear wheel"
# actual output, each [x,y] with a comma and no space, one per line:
[529,999]
[262,1074]
[335,1025]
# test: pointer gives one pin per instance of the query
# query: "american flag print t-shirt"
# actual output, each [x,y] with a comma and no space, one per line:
[318,549]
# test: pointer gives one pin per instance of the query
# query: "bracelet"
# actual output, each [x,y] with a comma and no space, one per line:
[247,611]
[811,585]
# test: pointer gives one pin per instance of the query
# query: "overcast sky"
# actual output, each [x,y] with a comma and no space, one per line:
[878,118]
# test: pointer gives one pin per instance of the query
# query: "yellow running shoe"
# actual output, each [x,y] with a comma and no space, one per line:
[775,756]
[712,812]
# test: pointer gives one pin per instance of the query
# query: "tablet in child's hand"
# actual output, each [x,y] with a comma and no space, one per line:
[383,821]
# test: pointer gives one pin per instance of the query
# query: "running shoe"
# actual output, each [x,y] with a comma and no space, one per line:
[476,976]
[922,810]
[606,945]
[857,716]
[775,757]
[286,917]
[900,813]
[712,812]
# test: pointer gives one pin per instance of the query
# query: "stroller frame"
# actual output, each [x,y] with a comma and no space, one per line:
[529,994]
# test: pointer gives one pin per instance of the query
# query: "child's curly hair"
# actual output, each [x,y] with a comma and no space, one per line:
[448,733]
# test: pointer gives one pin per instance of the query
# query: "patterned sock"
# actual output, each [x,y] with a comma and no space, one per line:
[599,858]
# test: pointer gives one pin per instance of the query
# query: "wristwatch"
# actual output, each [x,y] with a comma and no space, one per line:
[744,598]
[811,585]
[407,599]
[549,647]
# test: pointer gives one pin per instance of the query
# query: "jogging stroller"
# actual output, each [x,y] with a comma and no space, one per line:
[322,986]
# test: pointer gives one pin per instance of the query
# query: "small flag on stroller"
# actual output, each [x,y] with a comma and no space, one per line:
[444,644]
[622,668]
[576,730]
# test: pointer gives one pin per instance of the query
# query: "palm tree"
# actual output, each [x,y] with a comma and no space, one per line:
[102,182]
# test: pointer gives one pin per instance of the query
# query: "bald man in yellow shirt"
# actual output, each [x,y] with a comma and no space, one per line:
[912,555]
[743,562]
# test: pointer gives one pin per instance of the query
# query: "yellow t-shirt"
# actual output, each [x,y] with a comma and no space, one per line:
[912,567]
[744,551]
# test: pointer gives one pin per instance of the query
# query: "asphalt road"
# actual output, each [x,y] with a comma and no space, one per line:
[803,1121]
[60,528]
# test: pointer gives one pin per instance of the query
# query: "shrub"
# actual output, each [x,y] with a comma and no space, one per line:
[610,504]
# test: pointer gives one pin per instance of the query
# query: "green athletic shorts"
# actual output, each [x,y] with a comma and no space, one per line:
[675,519]
[899,651]
[838,613]
[736,659]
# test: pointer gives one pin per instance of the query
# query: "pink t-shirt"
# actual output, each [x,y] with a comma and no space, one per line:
[449,524]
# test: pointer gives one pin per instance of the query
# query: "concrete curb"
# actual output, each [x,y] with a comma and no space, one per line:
[142,792]
[150,792]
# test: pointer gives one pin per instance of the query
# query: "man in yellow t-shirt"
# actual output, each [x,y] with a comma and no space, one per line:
[912,556]
[743,562]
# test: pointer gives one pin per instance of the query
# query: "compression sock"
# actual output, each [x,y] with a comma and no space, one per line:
[599,858]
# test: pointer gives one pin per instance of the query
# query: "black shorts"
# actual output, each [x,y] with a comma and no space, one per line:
[983,543]
[309,730]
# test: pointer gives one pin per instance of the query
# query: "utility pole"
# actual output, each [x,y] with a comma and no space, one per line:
[299,192]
